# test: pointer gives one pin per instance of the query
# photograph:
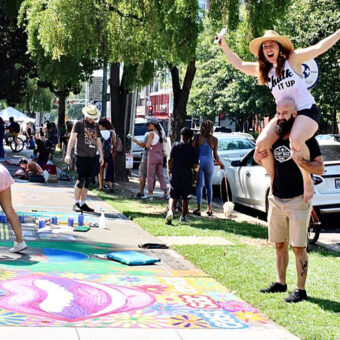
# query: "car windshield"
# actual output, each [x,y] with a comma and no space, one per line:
[226,144]
[140,129]
[330,152]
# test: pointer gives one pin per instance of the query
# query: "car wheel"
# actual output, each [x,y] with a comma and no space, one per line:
[224,195]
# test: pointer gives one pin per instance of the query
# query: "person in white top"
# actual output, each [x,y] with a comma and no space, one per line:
[279,67]
[154,144]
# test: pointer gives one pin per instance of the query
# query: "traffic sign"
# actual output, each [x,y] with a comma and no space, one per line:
[98,106]
[311,72]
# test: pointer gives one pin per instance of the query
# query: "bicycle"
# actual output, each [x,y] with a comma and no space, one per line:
[15,143]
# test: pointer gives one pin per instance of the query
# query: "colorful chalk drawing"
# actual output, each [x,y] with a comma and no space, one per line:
[64,284]
[61,299]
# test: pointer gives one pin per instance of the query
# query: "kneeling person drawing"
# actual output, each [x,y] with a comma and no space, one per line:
[289,213]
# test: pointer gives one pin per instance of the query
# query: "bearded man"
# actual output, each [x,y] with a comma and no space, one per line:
[289,213]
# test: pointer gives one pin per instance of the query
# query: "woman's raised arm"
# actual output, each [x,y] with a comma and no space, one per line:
[304,54]
[249,68]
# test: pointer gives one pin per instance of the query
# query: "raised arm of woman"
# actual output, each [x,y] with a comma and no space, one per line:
[249,68]
[304,54]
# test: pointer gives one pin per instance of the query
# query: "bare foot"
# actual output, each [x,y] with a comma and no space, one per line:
[308,190]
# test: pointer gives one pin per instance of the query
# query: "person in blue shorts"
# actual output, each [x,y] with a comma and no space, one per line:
[183,159]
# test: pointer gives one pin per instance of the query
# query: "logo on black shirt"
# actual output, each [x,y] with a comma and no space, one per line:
[282,154]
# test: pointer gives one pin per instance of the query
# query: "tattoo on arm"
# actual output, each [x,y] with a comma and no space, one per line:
[304,267]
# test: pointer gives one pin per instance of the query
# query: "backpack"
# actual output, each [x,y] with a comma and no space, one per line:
[119,144]
[107,147]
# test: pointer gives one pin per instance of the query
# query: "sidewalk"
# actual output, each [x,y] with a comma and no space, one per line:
[60,289]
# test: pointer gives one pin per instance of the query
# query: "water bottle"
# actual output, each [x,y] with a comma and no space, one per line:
[102,220]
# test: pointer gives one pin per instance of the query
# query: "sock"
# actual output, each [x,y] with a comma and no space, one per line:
[76,201]
[81,203]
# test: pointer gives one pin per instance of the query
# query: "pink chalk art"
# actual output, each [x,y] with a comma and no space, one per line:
[69,300]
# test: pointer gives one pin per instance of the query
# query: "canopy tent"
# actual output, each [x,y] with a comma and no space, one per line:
[17,115]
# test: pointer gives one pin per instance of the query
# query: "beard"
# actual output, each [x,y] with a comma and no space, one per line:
[283,126]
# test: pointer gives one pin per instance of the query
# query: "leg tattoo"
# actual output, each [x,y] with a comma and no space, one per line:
[304,267]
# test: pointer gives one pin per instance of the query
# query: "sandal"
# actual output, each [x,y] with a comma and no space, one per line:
[210,213]
[100,189]
[196,212]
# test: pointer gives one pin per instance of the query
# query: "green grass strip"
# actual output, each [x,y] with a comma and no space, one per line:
[247,266]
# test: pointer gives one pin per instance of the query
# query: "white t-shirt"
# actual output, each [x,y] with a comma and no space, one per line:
[155,138]
[290,85]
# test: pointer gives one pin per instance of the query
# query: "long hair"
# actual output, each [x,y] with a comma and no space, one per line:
[106,124]
[265,65]
[206,128]
[160,132]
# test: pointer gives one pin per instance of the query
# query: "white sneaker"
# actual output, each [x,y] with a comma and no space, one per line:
[17,247]
[184,219]
[169,217]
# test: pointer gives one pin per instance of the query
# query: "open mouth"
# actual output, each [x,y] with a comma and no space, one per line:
[270,55]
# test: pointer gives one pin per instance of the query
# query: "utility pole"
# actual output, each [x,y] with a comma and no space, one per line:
[104,90]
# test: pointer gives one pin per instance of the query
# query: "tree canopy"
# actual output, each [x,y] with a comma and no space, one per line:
[15,65]
[132,31]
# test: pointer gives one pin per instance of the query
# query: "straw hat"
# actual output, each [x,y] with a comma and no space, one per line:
[90,111]
[255,44]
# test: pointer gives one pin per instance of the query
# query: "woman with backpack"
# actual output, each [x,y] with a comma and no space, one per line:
[108,139]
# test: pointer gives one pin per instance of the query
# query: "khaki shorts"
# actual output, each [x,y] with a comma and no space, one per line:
[143,167]
[288,220]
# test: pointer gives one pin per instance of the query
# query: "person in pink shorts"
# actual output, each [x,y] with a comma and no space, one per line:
[6,181]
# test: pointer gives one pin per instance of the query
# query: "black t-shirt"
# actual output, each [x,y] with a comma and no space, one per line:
[42,150]
[184,157]
[288,181]
[87,134]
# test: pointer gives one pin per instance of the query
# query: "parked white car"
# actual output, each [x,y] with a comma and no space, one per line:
[249,183]
[231,147]
[139,132]
[327,189]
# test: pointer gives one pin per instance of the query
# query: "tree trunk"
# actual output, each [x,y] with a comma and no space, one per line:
[118,98]
[181,96]
[61,113]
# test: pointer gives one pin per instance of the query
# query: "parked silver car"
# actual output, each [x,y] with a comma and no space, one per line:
[249,183]
[231,147]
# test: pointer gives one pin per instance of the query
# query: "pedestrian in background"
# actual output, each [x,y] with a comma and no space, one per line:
[85,134]
[183,159]
[108,139]
[154,145]
[207,146]
[143,165]
[41,152]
